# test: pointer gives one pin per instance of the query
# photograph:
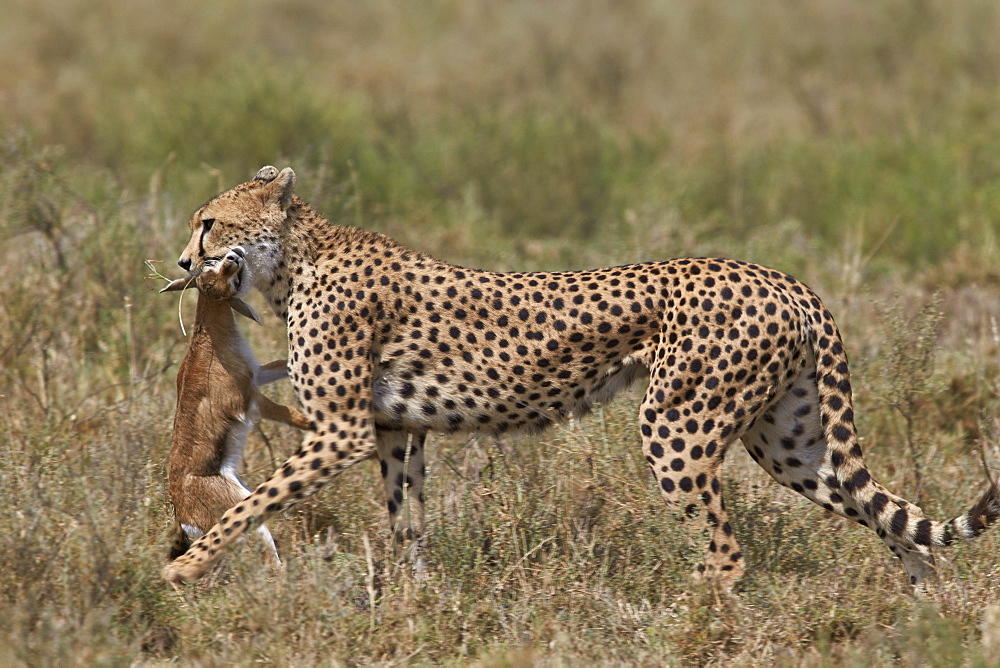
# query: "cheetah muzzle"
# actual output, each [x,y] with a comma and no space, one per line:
[387,344]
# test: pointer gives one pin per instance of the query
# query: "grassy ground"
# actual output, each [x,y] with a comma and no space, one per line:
[852,144]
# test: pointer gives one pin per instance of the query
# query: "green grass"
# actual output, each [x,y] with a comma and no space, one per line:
[852,144]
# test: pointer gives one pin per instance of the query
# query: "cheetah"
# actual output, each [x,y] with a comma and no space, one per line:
[387,344]
[217,404]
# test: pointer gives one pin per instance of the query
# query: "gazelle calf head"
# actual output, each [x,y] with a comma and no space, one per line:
[221,279]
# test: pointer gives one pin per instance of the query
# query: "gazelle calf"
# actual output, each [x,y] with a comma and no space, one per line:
[218,402]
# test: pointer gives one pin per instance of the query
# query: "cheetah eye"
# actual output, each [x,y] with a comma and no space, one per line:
[207,224]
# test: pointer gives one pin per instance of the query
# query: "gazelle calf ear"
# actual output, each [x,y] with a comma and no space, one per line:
[179,284]
[243,308]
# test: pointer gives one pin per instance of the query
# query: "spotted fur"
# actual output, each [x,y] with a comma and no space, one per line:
[387,344]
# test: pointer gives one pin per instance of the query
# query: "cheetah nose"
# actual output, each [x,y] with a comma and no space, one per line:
[184,264]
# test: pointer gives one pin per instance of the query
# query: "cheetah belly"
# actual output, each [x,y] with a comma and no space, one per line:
[433,403]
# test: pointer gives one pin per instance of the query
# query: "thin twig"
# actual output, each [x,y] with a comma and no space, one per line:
[154,274]
[406,659]
[370,581]
[511,569]
[986,466]
[267,444]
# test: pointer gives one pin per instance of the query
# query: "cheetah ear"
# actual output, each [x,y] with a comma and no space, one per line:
[179,284]
[279,189]
[243,308]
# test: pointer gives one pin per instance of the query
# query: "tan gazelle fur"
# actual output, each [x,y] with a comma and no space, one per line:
[217,403]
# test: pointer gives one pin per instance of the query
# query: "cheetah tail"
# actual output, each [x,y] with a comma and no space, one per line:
[977,520]
[850,477]
[179,542]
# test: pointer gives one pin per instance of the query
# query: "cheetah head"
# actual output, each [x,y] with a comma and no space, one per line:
[250,216]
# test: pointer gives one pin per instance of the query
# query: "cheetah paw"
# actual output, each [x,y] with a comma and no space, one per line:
[179,573]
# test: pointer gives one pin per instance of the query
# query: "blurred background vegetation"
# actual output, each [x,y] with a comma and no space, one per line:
[853,144]
[539,121]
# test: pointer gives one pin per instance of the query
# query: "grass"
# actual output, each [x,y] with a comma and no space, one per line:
[853,145]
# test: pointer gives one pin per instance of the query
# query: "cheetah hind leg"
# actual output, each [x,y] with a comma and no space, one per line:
[401,458]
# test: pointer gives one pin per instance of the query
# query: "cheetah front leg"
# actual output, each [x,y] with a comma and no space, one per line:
[343,434]
[302,474]
[401,457]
